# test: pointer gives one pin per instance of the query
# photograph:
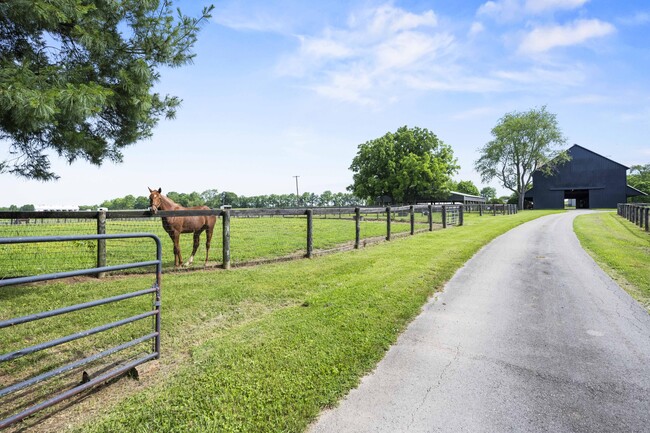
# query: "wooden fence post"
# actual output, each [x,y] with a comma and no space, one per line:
[225,216]
[641,216]
[444,216]
[412,215]
[647,214]
[310,233]
[461,213]
[357,228]
[494,209]
[101,243]
[480,210]
[430,218]
[388,210]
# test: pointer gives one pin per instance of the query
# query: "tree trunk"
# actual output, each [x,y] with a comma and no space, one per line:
[520,201]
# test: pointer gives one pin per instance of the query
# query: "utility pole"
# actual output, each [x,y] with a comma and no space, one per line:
[297,193]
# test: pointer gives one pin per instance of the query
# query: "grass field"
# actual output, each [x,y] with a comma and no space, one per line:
[620,248]
[251,349]
[251,239]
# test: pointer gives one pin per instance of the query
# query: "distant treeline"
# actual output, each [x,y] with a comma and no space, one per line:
[14,208]
[215,199]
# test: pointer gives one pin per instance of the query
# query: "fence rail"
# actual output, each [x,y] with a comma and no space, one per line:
[637,213]
[23,410]
[247,235]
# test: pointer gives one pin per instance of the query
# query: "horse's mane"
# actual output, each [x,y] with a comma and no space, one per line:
[170,202]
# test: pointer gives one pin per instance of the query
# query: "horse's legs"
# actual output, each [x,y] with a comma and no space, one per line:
[208,238]
[197,238]
[177,249]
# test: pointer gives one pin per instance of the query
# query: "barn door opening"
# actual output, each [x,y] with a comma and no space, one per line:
[578,196]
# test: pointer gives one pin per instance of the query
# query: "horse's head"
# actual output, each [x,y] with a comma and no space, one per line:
[155,200]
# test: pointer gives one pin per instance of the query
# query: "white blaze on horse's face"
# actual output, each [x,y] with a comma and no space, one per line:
[154,199]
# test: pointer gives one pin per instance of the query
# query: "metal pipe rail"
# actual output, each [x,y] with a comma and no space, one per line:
[155,290]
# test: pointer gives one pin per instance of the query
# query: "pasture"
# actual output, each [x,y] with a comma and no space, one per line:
[252,239]
[260,348]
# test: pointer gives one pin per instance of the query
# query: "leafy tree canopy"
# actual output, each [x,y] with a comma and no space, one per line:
[489,193]
[523,143]
[407,165]
[467,187]
[76,77]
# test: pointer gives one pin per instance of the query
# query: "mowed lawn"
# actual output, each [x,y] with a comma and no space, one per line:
[621,248]
[255,349]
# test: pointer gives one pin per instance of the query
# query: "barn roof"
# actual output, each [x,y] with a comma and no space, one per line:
[633,192]
[598,155]
[461,196]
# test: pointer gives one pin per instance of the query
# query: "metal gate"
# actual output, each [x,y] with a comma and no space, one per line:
[112,372]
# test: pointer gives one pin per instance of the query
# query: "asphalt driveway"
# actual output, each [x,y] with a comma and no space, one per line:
[529,336]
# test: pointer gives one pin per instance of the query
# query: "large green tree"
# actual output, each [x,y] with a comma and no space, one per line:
[488,193]
[409,164]
[466,187]
[76,77]
[523,143]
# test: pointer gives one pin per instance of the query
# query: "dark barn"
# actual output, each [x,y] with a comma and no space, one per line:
[591,179]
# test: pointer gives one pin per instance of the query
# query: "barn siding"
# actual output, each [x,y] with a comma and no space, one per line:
[605,180]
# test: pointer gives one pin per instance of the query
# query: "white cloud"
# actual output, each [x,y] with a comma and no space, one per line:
[386,53]
[407,49]
[348,87]
[638,19]
[476,28]
[379,51]
[324,48]
[508,10]
[540,77]
[542,39]
[586,99]
[502,10]
[259,21]
[537,6]
[389,19]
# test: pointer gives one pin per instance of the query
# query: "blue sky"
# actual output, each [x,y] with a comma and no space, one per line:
[285,87]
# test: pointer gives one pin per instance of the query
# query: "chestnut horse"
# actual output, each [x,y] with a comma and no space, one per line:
[174,226]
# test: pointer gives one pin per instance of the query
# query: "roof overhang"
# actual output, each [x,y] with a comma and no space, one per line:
[633,192]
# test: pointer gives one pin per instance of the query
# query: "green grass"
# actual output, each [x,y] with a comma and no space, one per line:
[251,239]
[620,248]
[263,348]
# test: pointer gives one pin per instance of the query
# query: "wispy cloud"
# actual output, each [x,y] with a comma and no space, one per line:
[638,19]
[377,49]
[508,10]
[385,53]
[536,6]
[542,39]
[258,20]
[544,76]
[476,28]
[586,99]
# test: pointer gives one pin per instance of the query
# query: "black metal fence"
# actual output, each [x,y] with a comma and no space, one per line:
[248,236]
[16,407]
[637,213]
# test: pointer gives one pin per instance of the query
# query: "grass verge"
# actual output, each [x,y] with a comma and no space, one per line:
[267,348]
[620,248]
